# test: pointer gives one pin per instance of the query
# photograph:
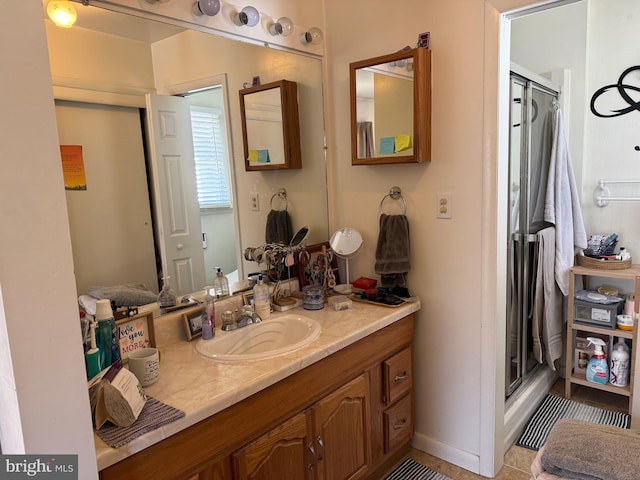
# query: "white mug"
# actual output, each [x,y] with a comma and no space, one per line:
[145,365]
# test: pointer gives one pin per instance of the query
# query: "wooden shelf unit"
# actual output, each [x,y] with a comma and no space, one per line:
[632,389]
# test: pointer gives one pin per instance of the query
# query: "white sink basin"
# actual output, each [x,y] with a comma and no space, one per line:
[275,336]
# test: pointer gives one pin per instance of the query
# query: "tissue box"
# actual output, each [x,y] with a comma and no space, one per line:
[365,283]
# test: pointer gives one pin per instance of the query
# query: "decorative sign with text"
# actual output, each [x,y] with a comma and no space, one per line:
[135,333]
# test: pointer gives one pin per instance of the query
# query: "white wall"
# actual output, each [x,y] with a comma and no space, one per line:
[110,222]
[44,403]
[614,33]
[445,271]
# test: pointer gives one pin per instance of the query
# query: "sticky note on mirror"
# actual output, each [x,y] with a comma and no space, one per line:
[263,156]
[253,156]
[403,142]
[387,145]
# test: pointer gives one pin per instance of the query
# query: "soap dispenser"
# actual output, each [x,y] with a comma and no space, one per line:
[262,299]
[220,284]
[167,297]
[92,357]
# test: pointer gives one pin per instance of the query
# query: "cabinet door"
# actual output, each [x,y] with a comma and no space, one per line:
[281,453]
[341,432]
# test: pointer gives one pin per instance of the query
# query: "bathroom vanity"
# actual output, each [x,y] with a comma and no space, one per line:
[341,407]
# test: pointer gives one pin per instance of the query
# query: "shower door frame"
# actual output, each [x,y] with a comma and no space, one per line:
[524,245]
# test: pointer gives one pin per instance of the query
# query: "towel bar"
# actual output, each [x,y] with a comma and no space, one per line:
[602,194]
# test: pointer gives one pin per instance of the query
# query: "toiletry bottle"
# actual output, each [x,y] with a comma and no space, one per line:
[92,357]
[209,315]
[261,299]
[597,368]
[107,335]
[167,297]
[220,284]
[630,306]
[619,373]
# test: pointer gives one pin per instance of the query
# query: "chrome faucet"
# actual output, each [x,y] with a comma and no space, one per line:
[242,320]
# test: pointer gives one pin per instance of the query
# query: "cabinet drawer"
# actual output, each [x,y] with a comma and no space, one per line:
[398,376]
[398,423]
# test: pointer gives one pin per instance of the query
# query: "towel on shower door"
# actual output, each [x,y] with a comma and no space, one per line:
[279,229]
[392,250]
[547,318]
[562,206]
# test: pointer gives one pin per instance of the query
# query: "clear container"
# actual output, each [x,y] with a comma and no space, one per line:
[312,297]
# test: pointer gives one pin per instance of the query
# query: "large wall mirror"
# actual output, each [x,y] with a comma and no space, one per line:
[391,108]
[109,72]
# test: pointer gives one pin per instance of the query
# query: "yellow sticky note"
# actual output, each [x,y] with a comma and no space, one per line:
[403,142]
[253,156]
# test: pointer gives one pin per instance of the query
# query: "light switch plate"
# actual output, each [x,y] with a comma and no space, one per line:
[444,207]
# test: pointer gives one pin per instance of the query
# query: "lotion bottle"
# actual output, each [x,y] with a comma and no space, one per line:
[597,368]
[619,374]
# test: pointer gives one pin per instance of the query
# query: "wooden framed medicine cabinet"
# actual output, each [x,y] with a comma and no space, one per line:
[391,108]
[271,126]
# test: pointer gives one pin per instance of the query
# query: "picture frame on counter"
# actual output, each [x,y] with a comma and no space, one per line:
[135,333]
[247,298]
[193,323]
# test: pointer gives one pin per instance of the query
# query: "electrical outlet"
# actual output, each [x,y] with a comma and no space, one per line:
[444,208]
[254,200]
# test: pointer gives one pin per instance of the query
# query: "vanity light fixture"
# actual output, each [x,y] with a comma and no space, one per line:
[312,36]
[283,26]
[248,16]
[62,13]
[206,7]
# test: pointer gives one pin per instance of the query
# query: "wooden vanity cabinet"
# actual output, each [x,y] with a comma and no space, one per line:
[347,416]
[328,440]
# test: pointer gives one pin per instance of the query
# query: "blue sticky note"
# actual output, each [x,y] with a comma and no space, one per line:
[387,145]
[263,156]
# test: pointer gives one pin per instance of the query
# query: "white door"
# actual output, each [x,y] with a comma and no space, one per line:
[174,192]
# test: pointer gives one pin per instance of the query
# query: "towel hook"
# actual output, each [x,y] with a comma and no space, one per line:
[282,194]
[395,193]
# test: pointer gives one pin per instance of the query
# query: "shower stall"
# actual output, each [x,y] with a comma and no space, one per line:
[533,100]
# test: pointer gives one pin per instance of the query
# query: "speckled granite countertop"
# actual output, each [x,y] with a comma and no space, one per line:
[201,387]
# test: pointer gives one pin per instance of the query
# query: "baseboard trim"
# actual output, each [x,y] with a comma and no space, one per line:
[446,452]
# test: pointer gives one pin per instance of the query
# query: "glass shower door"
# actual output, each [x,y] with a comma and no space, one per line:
[531,119]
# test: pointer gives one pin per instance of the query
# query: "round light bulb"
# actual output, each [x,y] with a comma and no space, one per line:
[62,13]
[248,16]
[206,7]
[284,27]
[312,36]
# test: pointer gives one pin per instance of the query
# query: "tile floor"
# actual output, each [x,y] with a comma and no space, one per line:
[517,461]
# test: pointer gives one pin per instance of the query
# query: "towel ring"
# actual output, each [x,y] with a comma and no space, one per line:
[395,193]
[282,194]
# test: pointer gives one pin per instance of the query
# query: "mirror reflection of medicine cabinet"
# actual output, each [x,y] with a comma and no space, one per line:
[391,108]
[271,126]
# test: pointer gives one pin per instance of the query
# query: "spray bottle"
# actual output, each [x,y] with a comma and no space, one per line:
[597,368]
